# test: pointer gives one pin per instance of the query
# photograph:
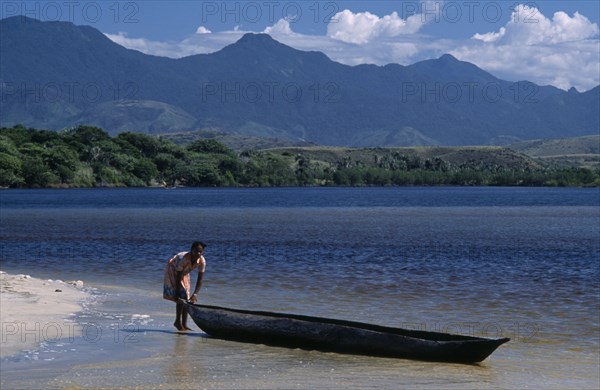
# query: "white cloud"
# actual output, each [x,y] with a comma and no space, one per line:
[491,36]
[530,27]
[203,30]
[199,43]
[364,27]
[563,51]
[381,51]
[281,27]
[164,49]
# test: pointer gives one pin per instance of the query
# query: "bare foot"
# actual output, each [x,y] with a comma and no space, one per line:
[178,326]
[186,328]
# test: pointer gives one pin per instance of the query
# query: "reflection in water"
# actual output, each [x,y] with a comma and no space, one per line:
[180,367]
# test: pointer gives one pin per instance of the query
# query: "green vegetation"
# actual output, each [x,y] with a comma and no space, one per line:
[89,157]
[237,142]
[563,152]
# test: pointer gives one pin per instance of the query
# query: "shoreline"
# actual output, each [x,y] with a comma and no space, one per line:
[34,311]
[327,185]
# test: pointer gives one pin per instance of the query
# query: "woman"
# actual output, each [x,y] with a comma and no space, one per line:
[177,280]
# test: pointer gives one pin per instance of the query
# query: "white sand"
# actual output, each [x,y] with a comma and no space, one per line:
[32,311]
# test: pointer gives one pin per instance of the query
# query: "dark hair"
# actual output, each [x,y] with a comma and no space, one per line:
[196,243]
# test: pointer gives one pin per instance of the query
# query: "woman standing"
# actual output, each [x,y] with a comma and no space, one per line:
[177,280]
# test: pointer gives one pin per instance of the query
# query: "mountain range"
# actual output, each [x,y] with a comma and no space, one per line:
[56,75]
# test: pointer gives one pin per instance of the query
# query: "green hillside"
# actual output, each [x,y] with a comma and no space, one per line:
[236,142]
[86,156]
[564,152]
[458,156]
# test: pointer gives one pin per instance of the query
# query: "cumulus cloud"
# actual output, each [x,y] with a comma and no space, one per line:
[364,27]
[281,27]
[530,27]
[563,51]
[203,30]
[380,51]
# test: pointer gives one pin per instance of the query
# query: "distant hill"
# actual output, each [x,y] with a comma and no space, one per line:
[237,142]
[480,156]
[55,75]
[565,152]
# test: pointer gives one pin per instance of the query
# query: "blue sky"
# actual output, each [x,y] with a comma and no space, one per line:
[548,42]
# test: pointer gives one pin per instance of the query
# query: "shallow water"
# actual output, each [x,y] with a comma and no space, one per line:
[511,262]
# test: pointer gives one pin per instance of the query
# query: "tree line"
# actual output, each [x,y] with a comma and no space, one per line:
[87,156]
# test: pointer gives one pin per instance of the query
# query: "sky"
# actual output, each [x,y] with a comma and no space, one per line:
[547,42]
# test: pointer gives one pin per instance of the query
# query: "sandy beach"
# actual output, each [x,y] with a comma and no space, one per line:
[33,311]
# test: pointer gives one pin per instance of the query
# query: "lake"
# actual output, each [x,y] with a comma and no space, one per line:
[494,262]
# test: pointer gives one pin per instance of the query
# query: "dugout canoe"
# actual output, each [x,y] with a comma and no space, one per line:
[332,335]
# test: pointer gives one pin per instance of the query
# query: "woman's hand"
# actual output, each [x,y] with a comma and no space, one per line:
[194,298]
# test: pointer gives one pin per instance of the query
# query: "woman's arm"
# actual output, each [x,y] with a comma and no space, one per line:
[198,286]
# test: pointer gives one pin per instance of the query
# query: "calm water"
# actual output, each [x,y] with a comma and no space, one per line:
[513,262]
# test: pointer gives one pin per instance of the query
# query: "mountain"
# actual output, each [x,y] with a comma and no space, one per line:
[55,75]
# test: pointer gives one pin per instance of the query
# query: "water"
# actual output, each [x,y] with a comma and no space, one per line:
[495,262]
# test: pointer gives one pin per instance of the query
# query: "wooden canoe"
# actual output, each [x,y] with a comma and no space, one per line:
[324,334]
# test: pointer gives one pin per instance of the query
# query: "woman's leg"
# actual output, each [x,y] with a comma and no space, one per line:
[178,315]
[184,317]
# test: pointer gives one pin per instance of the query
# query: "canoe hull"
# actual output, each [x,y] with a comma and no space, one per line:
[331,335]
